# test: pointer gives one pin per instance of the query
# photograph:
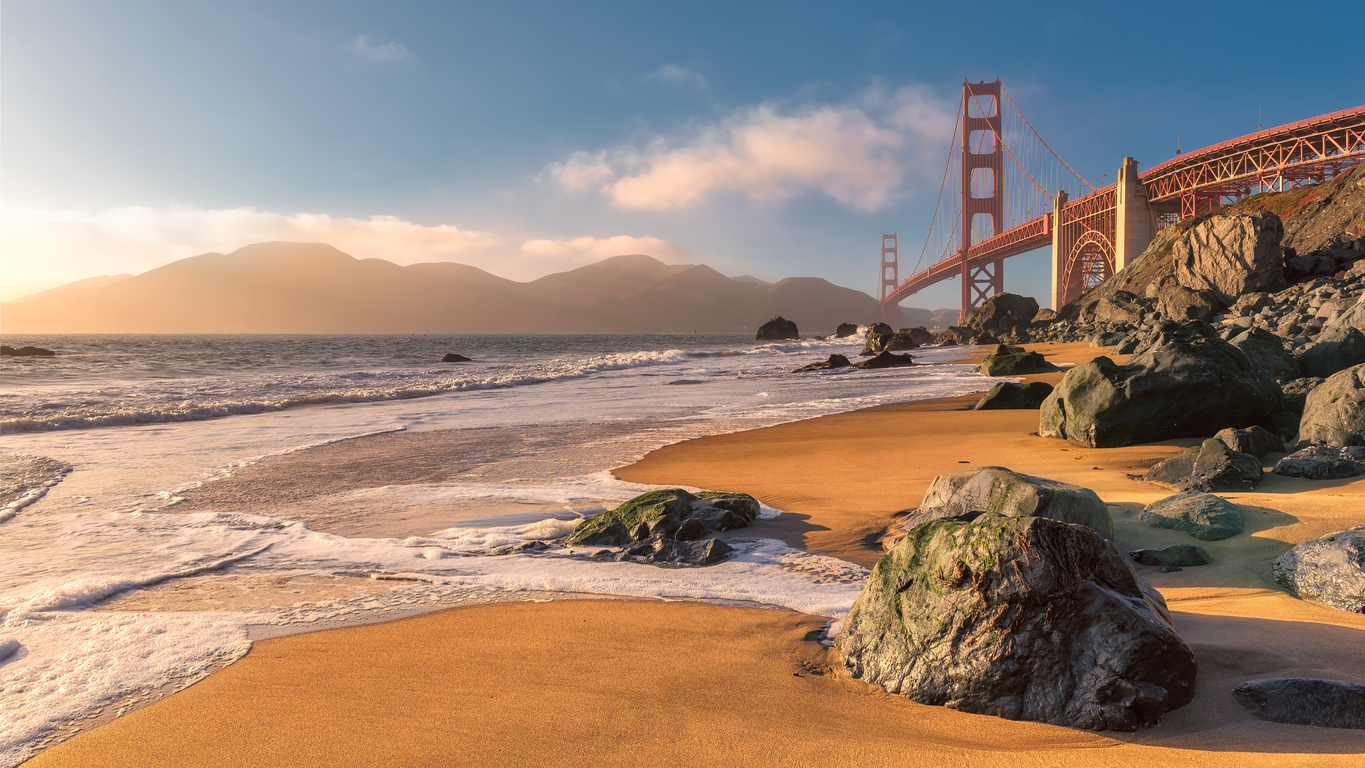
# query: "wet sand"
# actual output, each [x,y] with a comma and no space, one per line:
[616,683]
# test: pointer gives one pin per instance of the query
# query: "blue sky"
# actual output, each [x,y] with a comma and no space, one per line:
[773,139]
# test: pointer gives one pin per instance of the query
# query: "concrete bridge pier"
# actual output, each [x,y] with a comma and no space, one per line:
[1058,267]
[1133,219]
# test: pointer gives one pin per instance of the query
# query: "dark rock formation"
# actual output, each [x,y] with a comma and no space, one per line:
[1229,255]
[834,361]
[1008,395]
[1201,515]
[1256,441]
[1024,618]
[955,335]
[1211,466]
[454,358]
[777,329]
[919,334]
[1014,361]
[1001,491]
[1303,701]
[1001,314]
[6,350]
[1266,352]
[1181,555]
[1295,393]
[653,527]
[1322,462]
[1044,315]
[845,330]
[1334,411]
[1330,570]
[886,360]
[878,342]
[675,551]
[1336,349]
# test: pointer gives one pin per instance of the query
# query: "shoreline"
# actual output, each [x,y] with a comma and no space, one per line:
[838,500]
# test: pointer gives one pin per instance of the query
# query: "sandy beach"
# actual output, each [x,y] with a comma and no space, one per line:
[673,683]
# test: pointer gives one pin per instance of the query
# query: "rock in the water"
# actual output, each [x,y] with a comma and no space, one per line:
[1008,395]
[6,350]
[1201,515]
[1294,394]
[845,330]
[1322,462]
[1014,361]
[1265,351]
[1336,349]
[776,329]
[955,335]
[1334,411]
[660,515]
[834,361]
[1330,570]
[673,551]
[1303,701]
[1229,255]
[1024,618]
[1178,387]
[1001,314]
[878,342]
[1256,441]
[886,360]
[1001,491]
[1179,555]
[1211,466]
[454,358]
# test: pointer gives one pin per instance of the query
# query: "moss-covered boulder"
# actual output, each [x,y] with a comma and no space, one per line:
[882,339]
[671,514]
[1014,361]
[1024,618]
[1203,516]
[999,490]
[1210,466]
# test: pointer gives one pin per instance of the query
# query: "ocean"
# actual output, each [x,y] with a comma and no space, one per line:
[118,584]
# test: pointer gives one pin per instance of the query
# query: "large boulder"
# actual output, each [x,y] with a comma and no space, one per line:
[1178,555]
[898,341]
[845,330]
[1210,466]
[1001,314]
[1014,361]
[1256,441]
[955,335]
[886,360]
[28,351]
[1008,395]
[834,361]
[1001,491]
[1266,351]
[1024,618]
[1229,255]
[1322,462]
[672,514]
[1179,387]
[1294,394]
[1336,349]
[1304,701]
[1201,515]
[452,357]
[1334,411]
[1330,570]
[777,329]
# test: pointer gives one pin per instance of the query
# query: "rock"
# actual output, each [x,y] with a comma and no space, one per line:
[776,329]
[1303,701]
[1211,466]
[1201,515]
[1322,462]
[1336,349]
[1001,314]
[885,360]
[662,549]
[6,350]
[1044,315]
[1178,387]
[879,328]
[1256,441]
[845,330]
[1179,555]
[1229,255]
[955,335]
[1008,395]
[1120,308]
[454,358]
[1295,393]
[1266,352]
[834,361]
[919,335]
[663,513]
[1014,361]
[1001,491]
[889,342]
[1177,302]
[1108,339]
[1334,411]
[1330,570]
[1024,618]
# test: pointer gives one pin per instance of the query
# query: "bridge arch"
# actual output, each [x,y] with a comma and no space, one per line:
[1089,263]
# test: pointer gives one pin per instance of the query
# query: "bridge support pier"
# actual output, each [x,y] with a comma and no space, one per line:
[1133,219]
[1058,252]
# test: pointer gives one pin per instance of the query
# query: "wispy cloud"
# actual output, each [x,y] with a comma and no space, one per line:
[381,52]
[859,153]
[676,75]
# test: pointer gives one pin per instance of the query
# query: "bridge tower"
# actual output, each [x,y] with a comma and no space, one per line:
[984,171]
[891,260]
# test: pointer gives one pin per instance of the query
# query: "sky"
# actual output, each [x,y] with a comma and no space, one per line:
[770,139]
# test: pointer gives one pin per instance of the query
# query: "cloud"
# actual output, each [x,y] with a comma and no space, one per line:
[384,52]
[676,75]
[860,154]
[586,250]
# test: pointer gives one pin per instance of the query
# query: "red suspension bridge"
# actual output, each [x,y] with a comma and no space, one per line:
[1001,209]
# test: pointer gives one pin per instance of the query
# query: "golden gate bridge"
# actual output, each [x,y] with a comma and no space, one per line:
[1004,209]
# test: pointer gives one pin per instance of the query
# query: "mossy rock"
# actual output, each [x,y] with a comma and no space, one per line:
[663,513]
[1002,491]
[1203,516]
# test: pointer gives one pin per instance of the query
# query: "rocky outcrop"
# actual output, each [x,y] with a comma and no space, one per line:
[8,351]
[1001,491]
[1008,395]
[845,330]
[1184,386]
[1179,555]
[1210,466]
[1294,394]
[1335,349]
[451,357]
[1322,462]
[1304,701]
[898,341]
[667,526]
[834,361]
[1330,570]
[1201,515]
[886,360]
[1024,618]
[1001,314]
[1334,411]
[1256,441]
[1267,352]
[1014,361]
[777,329]
[1229,255]
[956,335]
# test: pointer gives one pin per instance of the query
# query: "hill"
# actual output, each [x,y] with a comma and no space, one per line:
[315,288]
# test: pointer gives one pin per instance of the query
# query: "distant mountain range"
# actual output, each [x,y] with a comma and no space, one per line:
[315,288]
